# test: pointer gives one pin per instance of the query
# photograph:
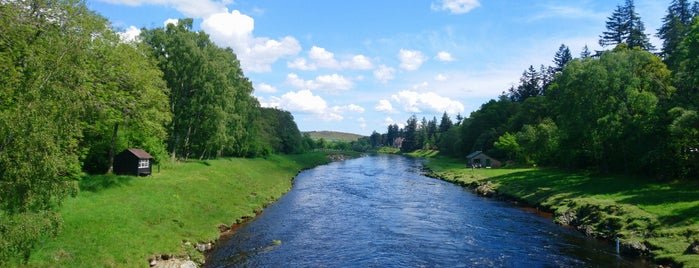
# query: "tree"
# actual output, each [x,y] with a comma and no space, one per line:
[445,123]
[606,108]
[392,133]
[530,85]
[375,139]
[585,53]
[278,130]
[562,57]
[508,143]
[210,99]
[44,80]
[625,26]
[410,135]
[676,25]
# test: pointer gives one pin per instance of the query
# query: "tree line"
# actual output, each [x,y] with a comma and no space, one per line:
[629,109]
[74,94]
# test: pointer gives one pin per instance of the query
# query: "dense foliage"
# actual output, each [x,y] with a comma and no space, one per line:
[624,110]
[74,94]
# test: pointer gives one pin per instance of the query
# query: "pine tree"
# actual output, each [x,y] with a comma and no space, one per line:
[625,26]
[562,58]
[585,53]
[675,26]
[616,28]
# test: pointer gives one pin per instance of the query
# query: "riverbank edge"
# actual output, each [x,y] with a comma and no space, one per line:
[191,260]
[484,187]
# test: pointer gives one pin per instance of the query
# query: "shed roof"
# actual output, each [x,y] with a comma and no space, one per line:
[474,154]
[140,153]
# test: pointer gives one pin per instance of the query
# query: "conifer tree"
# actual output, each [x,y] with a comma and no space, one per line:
[625,26]
[675,27]
[562,57]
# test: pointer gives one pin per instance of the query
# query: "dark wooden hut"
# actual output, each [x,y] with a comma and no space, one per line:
[133,161]
[478,159]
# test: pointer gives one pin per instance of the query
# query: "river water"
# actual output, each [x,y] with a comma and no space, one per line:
[379,211]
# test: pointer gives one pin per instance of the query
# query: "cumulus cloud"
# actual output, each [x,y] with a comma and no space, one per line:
[456,6]
[384,106]
[416,102]
[322,58]
[302,101]
[440,77]
[170,21]
[348,108]
[411,60]
[266,88]
[358,62]
[256,54]
[301,64]
[130,34]
[444,56]
[331,82]
[384,73]
[305,102]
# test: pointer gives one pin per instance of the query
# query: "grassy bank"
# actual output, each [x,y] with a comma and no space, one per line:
[121,221]
[661,218]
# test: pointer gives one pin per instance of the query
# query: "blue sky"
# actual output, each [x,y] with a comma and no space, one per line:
[357,66]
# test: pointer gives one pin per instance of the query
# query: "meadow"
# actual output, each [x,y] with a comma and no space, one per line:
[123,221]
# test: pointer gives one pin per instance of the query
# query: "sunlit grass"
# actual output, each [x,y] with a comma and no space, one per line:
[119,221]
[664,215]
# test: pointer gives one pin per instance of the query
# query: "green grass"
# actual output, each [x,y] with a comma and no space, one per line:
[334,136]
[663,215]
[121,221]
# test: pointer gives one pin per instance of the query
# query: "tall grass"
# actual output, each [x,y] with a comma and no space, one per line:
[122,221]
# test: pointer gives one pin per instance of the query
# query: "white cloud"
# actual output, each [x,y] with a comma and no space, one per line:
[323,58]
[348,108]
[440,77]
[130,34]
[332,82]
[358,62]
[416,102]
[304,102]
[444,56]
[384,73]
[266,88]
[385,106]
[456,6]
[411,60]
[256,54]
[301,64]
[170,21]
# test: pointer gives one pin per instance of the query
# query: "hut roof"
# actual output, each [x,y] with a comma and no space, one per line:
[140,153]
[474,154]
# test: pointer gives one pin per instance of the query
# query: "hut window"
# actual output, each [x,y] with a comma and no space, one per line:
[143,163]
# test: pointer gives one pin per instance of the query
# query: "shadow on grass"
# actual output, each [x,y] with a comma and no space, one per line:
[537,185]
[96,183]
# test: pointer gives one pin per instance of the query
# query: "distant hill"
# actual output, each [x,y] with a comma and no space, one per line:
[333,135]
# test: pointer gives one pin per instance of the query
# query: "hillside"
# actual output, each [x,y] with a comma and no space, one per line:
[333,135]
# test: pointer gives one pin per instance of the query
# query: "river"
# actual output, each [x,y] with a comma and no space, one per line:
[380,211]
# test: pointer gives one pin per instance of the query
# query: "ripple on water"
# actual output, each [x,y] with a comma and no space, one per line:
[379,211]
